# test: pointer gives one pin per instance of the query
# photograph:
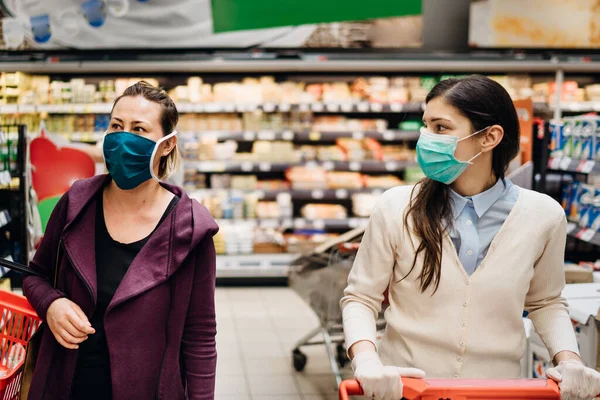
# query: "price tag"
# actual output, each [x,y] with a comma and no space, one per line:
[586,167]
[264,166]
[304,107]
[266,135]
[354,166]
[5,178]
[333,107]
[363,106]
[311,165]
[13,136]
[76,136]
[341,194]
[317,107]
[2,137]
[79,109]
[388,135]
[596,106]
[211,166]
[358,135]
[288,223]
[260,194]
[576,107]
[198,108]
[571,226]
[347,107]
[249,136]
[565,163]
[268,107]
[299,223]
[185,107]
[314,136]
[317,194]
[554,163]
[353,223]
[376,107]
[328,166]
[9,109]
[287,135]
[247,166]
[391,166]
[27,109]
[285,107]
[586,235]
[396,107]
[319,224]
[229,107]
[269,223]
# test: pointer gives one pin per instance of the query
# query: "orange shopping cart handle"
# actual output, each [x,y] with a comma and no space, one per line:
[467,388]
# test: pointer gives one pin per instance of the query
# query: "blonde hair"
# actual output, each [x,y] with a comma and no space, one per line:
[168,120]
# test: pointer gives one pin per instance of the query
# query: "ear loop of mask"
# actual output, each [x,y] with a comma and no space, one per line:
[156,146]
[470,161]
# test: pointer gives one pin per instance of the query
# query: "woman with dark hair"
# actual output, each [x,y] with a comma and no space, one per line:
[462,254]
[131,314]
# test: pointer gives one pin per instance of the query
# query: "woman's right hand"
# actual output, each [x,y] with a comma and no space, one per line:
[379,381]
[68,323]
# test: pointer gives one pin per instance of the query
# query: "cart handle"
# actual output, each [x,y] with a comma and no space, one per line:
[464,388]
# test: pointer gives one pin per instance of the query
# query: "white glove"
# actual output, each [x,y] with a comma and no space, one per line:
[576,381]
[382,383]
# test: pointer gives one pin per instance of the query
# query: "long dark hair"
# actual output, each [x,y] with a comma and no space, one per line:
[484,102]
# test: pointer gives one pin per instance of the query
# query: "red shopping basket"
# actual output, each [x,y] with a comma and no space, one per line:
[463,389]
[18,322]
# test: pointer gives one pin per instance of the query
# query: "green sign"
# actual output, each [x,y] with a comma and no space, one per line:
[235,15]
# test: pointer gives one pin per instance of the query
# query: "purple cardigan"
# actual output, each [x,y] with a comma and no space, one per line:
[160,324]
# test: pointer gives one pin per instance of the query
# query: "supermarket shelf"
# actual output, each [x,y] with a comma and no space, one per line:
[585,235]
[254,265]
[265,166]
[297,194]
[310,135]
[586,106]
[566,164]
[298,223]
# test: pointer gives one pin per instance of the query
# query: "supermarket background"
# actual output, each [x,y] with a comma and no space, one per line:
[294,118]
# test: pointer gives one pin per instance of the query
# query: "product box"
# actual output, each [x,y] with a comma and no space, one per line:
[585,205]
[578,274]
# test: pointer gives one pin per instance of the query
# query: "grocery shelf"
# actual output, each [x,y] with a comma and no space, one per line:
[566,164]
[584,106]
[267,166]
[298,223]
[254,265]
[390,135]
[585,235]
[298,194]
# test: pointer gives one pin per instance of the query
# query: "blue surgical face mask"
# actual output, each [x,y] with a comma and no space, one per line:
[130,158]
[435,155]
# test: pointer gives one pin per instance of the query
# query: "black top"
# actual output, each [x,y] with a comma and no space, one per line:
[92,376]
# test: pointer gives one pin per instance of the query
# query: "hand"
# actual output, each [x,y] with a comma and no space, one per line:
[68,323]
[382,383]
[576,381]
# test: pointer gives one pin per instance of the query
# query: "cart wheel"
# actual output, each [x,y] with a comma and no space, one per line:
[342,356]
[300,360]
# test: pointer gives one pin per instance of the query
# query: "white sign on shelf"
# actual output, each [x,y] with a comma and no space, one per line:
[304,107]
[396,107]
[264,166]
[317,194]
[571,226]
[358,135]
[554,163]
[596,106]
[269,107]
[354,166]
[266,135]
[247,166]
[299,223]
[77,136]
[319,224]
[2,136]
[311,165]
[376,107]
[26,108]
[317,107]
[587,167]
[353,223]
[388,135]
[328,166]
[347,107]
[9,109]
[341,194]
[363,106]
[285,107]
[5,178]
[587,235]
[249,136]
[391,166]
[260,194]
[229,107]
[269,223]
[333,107]
[287,135]
[565,163]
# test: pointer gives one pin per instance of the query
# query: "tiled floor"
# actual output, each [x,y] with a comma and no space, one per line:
[257,330]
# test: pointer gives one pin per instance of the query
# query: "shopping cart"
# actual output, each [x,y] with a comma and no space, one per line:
[463,389]
[320,278]
[18,322]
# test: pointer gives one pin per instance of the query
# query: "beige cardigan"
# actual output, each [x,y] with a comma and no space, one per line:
[472,326]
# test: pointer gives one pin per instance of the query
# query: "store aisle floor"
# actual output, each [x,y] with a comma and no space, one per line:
[257,330]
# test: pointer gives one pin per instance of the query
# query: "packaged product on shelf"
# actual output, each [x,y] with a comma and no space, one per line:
[244,182]
[302,178]
[273,184]
[268,241]
[585,204]
[578,274]
[381,182]
[344,180]
[304,243]
[268,209]
[323,211]
[593,92]
[363,203]
[333,153]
